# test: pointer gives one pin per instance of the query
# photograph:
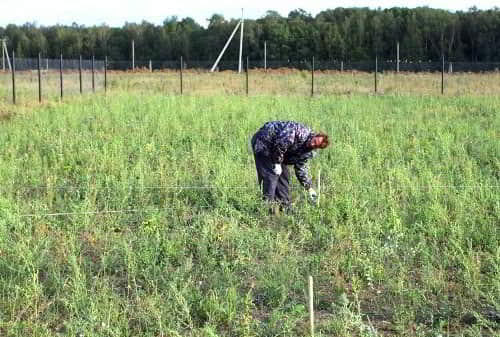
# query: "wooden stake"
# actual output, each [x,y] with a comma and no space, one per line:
[311,305]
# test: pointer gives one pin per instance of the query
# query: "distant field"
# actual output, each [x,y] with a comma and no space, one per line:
[275,82]
[137,213]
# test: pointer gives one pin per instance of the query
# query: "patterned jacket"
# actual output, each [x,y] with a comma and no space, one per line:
[284,142]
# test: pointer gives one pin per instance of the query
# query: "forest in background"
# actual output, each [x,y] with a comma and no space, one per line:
[351,34]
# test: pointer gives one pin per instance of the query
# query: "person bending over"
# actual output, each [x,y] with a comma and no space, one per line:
[278,144]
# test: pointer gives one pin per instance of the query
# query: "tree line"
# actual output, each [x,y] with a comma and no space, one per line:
[350,34]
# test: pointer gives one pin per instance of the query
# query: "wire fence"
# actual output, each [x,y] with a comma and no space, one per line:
[27,64]
[46,64]
[55,79]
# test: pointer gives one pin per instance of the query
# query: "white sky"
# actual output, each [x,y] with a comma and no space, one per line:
[116,12]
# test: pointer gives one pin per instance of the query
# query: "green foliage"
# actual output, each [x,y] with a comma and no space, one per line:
[350,34]
[404,242]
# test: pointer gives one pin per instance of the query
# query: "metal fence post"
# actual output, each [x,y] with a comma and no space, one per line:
[442,76]
[312,77]
[376,71]
[105,74]
[133,55]
[80,74]
[182,65]
[61,74]
[247,77]
[265,56]
[13,77]
[397,57]
[93,74]
[39,79]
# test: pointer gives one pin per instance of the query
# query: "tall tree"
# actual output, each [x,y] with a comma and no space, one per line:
[350,34]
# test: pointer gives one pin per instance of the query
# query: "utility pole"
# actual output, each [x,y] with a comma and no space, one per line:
[397,57]
[225,47]
[241,41]
[265,56]
[133,55]
[3,56]
[5,53]
[240,23]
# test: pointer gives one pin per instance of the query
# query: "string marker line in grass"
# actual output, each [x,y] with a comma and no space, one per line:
[99,212]
[34,187]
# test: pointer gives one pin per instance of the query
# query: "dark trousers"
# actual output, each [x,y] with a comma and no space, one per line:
[274,188]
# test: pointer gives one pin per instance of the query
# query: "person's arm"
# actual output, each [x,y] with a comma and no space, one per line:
[301,171]
[302,174]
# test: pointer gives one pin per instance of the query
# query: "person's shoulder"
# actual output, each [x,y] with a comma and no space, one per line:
[298,125]
[303,129]
[291,124]
[288,125]
[273,123]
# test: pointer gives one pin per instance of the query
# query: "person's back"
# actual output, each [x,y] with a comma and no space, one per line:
[275,138]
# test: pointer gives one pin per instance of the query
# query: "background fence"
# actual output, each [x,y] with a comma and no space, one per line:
[43,79]
[24,64]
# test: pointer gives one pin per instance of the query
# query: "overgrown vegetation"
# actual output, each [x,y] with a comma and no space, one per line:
[404,241]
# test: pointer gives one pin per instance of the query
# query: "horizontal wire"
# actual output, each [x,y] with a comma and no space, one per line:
[34,187]
[441,186]
[136,210]
[200,187]
[144,210]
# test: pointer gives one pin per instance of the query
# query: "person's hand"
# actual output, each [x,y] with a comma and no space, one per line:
[313,196]
[277,169]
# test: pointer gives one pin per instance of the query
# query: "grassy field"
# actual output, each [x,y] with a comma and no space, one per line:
[138,213]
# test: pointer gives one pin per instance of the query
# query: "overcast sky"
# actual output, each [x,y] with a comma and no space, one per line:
[116,12]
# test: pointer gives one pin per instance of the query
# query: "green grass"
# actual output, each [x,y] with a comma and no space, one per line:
[405,240]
